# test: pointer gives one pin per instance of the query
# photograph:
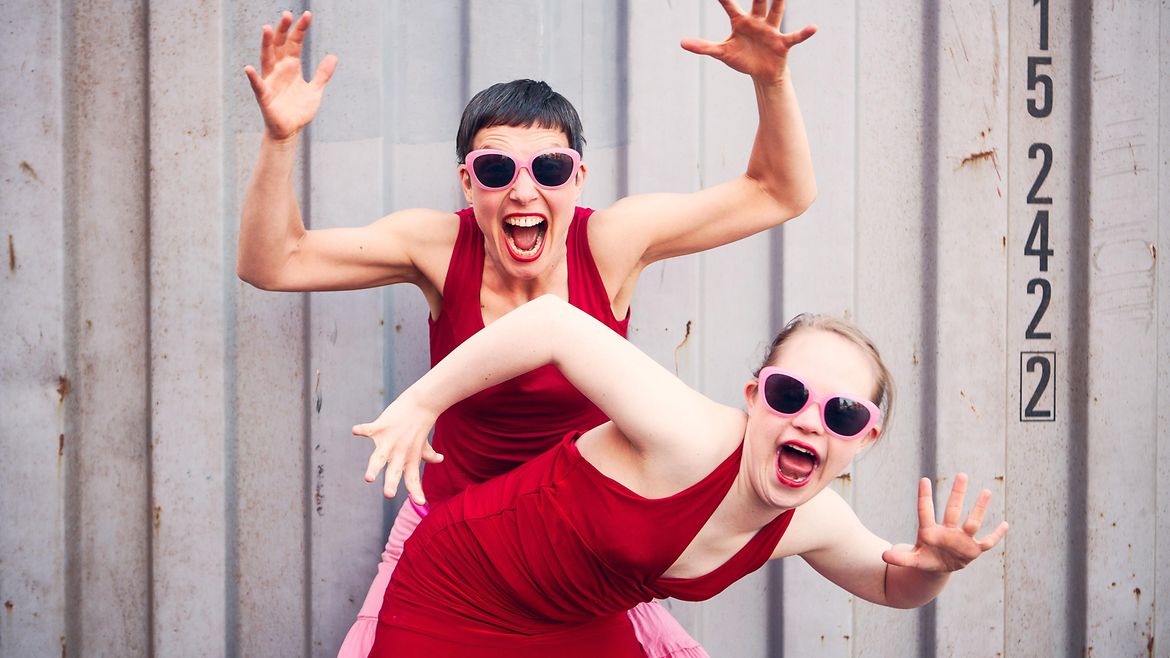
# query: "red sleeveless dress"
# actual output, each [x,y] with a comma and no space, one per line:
[547,559]
[501,427]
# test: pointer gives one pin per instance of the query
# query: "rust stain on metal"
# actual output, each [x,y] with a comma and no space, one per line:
[318,496]
[1153,249]
[63,387]
[60,445]
[914,358]
[28,169]
[8,605]
[845,477]
[682,343]
[1137,593]
[11,254]
[963,394]
[398,328]
[988,154]
[157,517]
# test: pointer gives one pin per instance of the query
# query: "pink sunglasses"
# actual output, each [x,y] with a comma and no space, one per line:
[492,169]
[844,417]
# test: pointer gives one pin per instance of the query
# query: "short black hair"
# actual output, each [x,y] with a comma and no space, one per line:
[519,103]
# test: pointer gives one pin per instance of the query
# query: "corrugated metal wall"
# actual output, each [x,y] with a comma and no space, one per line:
[178,477]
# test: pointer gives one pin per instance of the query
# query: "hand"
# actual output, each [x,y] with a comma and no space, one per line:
[756,45]
[400,444]
[287,102]
[946,547]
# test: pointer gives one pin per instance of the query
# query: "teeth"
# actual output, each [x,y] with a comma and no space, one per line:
[797,448]
[526,220]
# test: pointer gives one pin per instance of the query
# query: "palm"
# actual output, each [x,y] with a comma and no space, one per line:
[287,101]
[947,546]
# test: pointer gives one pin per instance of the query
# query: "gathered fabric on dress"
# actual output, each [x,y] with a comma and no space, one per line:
[550,557]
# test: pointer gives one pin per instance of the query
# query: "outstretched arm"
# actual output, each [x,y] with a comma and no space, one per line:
[276,252]
[662,418]
[902,576]
[778,183]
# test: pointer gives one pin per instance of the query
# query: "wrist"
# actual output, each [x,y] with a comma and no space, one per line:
[281,143]
[772,81]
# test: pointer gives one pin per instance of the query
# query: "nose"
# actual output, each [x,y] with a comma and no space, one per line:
[524,190]
[809,420]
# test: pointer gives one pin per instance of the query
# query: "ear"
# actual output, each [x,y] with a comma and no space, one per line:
[465,183]
[749,392]
[871,437]
[579,181]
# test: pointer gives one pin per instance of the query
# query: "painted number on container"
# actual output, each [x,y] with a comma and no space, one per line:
[1037,373]
[1038,368]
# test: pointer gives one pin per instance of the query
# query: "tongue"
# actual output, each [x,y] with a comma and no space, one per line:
[796,465]
[525,236]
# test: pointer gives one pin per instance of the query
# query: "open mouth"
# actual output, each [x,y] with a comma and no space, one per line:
[795,464]
[525,236]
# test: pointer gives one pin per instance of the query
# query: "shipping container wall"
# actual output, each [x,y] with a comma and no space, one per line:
[994,182]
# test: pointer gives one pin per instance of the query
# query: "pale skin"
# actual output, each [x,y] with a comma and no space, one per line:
[664,437]
[414,246]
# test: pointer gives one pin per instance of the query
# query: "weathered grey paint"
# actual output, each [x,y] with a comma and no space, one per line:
[179,475]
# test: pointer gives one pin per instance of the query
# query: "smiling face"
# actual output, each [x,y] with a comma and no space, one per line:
[790,460]
[525,226]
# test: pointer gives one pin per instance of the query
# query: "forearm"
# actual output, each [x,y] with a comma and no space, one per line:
[907,587]
[533,335]
[627,385]
[780,161]
[270,221]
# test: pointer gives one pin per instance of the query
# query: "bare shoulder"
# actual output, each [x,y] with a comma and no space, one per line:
[424,226]
[422,230]
[618,242]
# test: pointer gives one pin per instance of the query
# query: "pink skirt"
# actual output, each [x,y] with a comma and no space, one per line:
[657,631]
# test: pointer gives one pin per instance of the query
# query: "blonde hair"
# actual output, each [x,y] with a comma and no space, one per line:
[883,397]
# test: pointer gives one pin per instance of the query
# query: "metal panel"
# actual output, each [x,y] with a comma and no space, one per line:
[109,331]
[895,164]
[1041,449]
[1123,170]
[187,335]
[1162,320]
[180,474]
[345,329]
[818,275]
[34,382]
[968,255]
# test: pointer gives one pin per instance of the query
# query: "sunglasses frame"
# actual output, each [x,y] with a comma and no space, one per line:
[469,162]
[875,413]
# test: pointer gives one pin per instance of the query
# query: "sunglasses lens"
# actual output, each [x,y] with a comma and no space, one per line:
[785,394]
[552,169]
[846,417]
[494,170]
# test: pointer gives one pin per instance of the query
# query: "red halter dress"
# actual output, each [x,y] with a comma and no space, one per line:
[547,559]
[499,428]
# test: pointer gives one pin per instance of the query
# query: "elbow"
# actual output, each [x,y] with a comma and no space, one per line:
[789,200]
[254,277]
[802,199]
